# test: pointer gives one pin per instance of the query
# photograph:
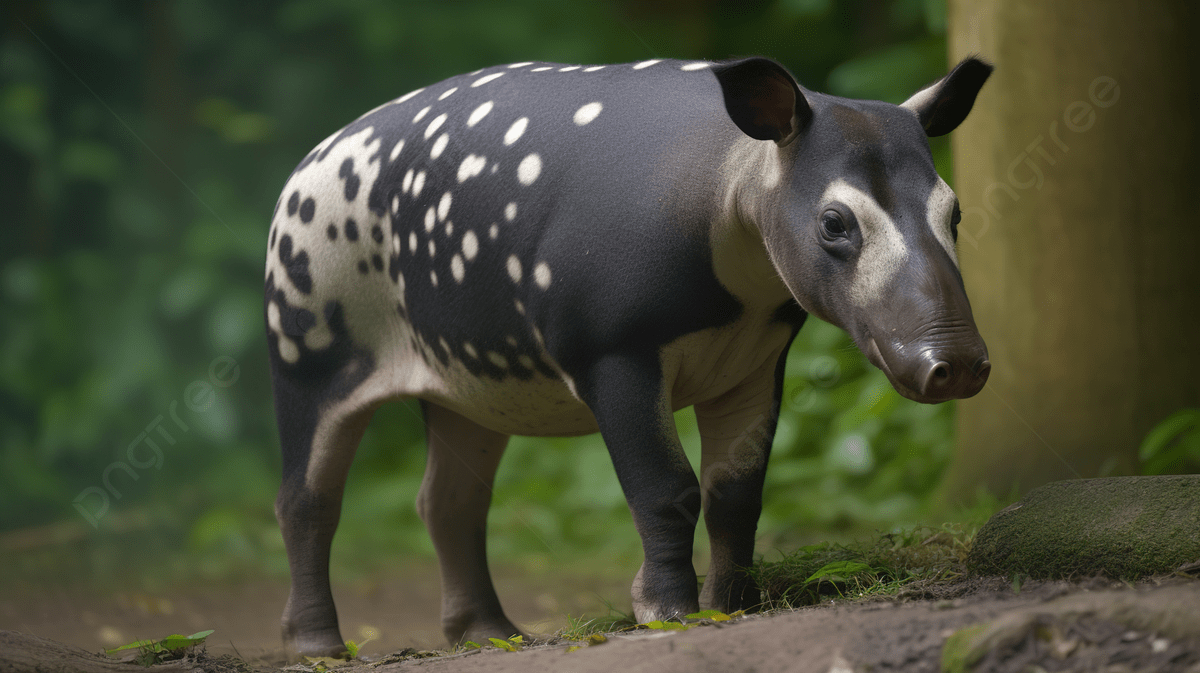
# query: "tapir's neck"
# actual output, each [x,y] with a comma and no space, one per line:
[751,177]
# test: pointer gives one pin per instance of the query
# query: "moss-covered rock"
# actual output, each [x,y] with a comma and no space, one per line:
[1124,527]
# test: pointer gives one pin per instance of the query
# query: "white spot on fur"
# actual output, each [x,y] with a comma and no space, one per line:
[647,64]
[522,64]
[594,68]
[514,269]
[694,66]
[939,208]
[408,181]
[395,244]
[439,146]
[586,114]
[569,68]
[516,130]
[421,115]
[497,359]
[457,269]
[542,69]
[470,245]
[511,340]
[408,95]
[418,183]
[486,78]
[443,208]
[541,275]
[433,276]
[395,203]
[448,93]
[519,306]
[469,348]
[435,125]
[430,219]
[525,360]
[412,242]
[287,349]
[510,211]
[883,250]
[318,337]
[432,248]
[470,167]
[479,113]
[529,169]
[449,229]
[493,232]
[396,150]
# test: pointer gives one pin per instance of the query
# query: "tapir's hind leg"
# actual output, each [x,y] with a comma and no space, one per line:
[319,442]
[455,495]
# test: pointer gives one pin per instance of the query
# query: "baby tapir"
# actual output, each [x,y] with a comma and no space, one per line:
[544,249]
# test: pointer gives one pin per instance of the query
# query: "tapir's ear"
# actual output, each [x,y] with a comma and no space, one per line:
[763,99]
[943,105]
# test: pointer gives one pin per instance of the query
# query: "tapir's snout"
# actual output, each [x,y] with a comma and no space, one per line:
[934,368]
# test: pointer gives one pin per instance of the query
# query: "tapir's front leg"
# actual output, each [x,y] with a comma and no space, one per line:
[736,431]
[625,392]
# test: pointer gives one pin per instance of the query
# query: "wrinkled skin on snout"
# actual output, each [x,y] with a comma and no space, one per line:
[866,238]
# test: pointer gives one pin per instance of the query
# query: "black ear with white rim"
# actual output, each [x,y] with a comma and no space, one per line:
[763,99]
[943,105]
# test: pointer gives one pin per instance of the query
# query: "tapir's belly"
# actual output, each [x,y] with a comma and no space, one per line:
[697,367]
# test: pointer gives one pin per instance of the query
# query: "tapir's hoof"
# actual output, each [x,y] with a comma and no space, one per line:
[316,644]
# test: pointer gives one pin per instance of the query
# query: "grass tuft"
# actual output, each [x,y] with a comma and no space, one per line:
[882,566]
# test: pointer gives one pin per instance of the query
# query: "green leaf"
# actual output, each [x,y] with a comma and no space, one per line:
[503,644]
[714,615]
[838,571]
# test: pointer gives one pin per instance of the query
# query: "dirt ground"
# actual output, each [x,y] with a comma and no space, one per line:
[1046,626]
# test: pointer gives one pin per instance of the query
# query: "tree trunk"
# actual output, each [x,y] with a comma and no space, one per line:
[1080,239]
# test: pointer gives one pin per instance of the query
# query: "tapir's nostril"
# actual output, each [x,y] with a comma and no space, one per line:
[981,369]
[936,378]
[941,371]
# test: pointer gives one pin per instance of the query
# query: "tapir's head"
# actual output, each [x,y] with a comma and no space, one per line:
[862,230]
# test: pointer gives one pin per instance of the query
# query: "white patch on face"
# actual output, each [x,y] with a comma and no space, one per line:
[497,359]
[594,68]
[443,208]
[470,245]
[470,167]
[439,146]
[486,78]
[421,115]
[647,64]
[408,95]
[412,242]
[510,211]
[448,93]
[457,269]
[493,232]
[541,275]
[418,183]
[694,66]
[396,150]
[522,64]
[469,349]
[516,130]
[542,69]
[430,216]
[479,113]
[514,269]
[529,169]
[435,125]
[569,68]
[938,211]
[883,250]
[408,181]
[586,114]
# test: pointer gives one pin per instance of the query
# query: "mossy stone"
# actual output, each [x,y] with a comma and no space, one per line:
[1123,527]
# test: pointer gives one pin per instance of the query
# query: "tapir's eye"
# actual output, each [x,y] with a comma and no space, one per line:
[955,218]
[832,224]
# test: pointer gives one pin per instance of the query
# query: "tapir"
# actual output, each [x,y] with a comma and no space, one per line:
[555,250]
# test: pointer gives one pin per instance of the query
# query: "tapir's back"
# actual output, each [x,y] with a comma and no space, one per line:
[442,228]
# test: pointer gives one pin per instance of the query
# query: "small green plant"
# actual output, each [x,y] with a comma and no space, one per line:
[150,652]
[1173,446]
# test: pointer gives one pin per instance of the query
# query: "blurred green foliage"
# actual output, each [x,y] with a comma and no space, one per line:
[142,147]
